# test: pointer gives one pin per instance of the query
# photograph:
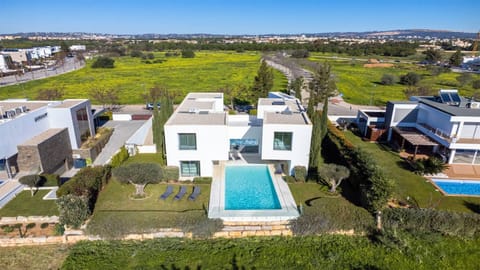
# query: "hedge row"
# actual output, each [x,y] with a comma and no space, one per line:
[366,176]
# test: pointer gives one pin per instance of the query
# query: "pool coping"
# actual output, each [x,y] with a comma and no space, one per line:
[216,209]
[439,189]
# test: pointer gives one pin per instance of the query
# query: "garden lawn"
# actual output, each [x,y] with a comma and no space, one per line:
[26,205]
[326,212]
[115,211]
[34,257]
[361,85]
[208,71]
[408,184]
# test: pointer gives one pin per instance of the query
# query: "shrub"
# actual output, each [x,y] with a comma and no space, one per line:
[252,112]
[300,173]
[476,84]
[74,210]
[44,225]
[430,165]
[432,221]
[120,157]
[103,62]
[188,54]
[289,179]
[150,56]
[300,53]
[59,229]
[136,54]
[170,173]
[30,226]
[202,180]
[410,79]
[7,229]
[388,79]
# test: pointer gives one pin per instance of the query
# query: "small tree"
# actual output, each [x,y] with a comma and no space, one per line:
[30,180]
[432,55]
[302,53]
[388,79]
[456,59]
[103,62]
[333,175]
[50,94]
[74,210]
[188,54]
[410,79]
[138,174]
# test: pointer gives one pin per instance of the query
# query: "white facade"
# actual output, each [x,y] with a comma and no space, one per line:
[34,117]
[456,129]
[213,135]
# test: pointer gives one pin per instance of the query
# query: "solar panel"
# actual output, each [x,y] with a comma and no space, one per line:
[445,97]
[455,97]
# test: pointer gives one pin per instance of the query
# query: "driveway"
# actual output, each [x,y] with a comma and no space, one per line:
[122,131]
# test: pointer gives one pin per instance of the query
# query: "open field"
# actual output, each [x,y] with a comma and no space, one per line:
[208,71]
[361,85]
[34,257]
[26,205]
[409,184]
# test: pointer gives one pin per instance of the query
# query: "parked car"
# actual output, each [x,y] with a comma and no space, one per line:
[244,108]
[149,106]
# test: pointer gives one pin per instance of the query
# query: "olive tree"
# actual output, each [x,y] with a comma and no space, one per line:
[333,174]
[30,180]
[139,175]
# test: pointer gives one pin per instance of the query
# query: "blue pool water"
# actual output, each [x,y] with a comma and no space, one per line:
[249,188]
[459,187]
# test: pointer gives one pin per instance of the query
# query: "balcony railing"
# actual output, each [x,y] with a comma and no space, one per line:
[440,133]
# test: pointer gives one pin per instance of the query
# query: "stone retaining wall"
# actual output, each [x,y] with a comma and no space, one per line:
[30,219]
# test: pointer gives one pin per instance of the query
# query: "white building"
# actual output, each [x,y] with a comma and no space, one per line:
[41,134]
[200,133]
[447,124]
[78,48]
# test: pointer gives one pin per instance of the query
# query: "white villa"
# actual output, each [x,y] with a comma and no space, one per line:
[201,133]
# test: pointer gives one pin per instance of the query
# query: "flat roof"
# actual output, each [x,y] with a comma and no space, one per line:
[295,118]
[43,136]
[199,109]
[450,109]
[68,103]
[6,105]
[289,111]
[186,118]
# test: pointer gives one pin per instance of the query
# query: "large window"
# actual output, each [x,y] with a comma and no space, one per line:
[190,168]
[188,141]
[282,141]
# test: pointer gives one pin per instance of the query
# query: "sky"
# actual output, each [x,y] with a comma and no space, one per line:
[236,16]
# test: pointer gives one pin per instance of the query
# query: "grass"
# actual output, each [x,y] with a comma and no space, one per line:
[142,158]
[315,252]
[361,85]
[26,205]
[409,184]
[208,71]
[115,208]
[34,257]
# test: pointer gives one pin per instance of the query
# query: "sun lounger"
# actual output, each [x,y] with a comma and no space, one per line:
[195,193]
[180,193]
[167,193]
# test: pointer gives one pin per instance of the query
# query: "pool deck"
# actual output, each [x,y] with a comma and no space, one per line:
[217,199]
[463,171]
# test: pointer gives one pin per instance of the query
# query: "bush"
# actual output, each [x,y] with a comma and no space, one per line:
[30,226]
[187,54]
[170,173]
[74,210]
[430,165]
[103,62]
[50,180]
[300,54]
[7,229]
[410,79]
[289,179]
[432,221]
[44,225]
[120,157]
[150,56]
[252,112]
[136,54]
[59,229]
[202,180]
[300,173]
[388,79]
[476,84]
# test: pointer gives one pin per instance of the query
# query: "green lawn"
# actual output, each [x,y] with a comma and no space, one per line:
[26,205]
[409,184]
[115,212]
[208,71]
[361,85]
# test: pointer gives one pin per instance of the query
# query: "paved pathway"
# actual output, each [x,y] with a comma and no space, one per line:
[122,131]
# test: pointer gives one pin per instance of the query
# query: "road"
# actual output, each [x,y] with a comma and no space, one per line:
[69,65]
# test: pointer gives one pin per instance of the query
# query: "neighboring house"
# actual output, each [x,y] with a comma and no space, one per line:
[6,63]
[200,133]
[78,48]
[38,136]
[19,56]
[447,124]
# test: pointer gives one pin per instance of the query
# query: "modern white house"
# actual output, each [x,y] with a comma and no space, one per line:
[447,124]
[201,133]
[40,135]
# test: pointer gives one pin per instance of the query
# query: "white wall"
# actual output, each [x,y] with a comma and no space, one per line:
[300,152]
[212,144]
[435,118]
[121,117]
[20,129]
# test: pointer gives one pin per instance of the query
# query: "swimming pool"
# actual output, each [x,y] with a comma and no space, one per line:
[249,188]
[458,187]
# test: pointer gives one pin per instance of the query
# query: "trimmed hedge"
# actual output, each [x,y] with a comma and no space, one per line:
[202,180]
[120,157]
[171,173]
[432,221]
[300,173]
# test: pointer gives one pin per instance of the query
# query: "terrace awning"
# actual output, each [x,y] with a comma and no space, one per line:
[414,137]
